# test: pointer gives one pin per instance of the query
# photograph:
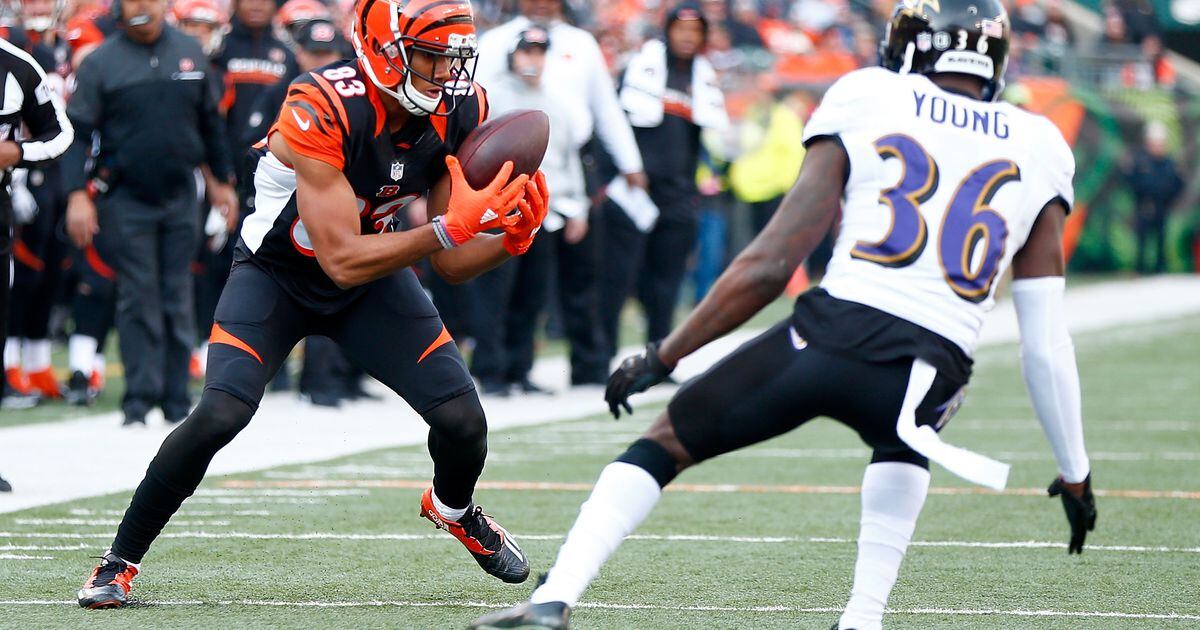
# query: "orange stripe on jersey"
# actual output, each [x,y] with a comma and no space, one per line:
[442,339]
[22,254]
[307,124]
[333,98]
[219,335]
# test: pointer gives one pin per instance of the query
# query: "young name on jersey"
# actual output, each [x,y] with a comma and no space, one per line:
[943,189]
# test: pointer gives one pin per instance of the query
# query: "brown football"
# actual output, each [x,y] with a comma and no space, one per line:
[520,135]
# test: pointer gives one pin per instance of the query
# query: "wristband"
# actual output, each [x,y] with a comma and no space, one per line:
[439,229]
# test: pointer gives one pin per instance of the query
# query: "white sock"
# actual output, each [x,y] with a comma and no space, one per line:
[35,355]
[622,498]
[446,511]
[892,496]
[81,353]
[12,354]
[136,565]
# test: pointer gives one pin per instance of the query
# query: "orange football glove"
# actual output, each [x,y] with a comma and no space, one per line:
[533,208]
[471,211]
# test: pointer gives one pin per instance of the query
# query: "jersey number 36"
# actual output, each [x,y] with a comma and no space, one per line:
[971,241]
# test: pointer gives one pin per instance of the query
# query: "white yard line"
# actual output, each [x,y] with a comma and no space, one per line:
[781,608]
[700,538]
[54,462]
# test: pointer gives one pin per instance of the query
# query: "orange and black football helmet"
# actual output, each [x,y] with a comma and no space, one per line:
[386,34]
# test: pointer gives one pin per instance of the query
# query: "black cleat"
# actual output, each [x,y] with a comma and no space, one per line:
[5,486]
[490,544]
[79,391]
[547,616]
[109,584]
[133,420]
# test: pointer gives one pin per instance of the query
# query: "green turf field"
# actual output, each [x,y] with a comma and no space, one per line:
[339,544]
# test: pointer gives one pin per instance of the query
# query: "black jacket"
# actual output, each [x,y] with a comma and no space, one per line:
[253,62]
[155,115]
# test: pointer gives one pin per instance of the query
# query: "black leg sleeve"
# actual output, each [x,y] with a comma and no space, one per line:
[178,469]
[458,446]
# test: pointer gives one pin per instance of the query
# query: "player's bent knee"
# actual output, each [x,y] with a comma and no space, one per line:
[459,419]
[218,418]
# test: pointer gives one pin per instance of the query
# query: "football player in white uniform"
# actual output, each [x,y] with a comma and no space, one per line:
[940,189]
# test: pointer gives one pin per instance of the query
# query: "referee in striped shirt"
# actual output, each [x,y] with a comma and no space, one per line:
[34,130]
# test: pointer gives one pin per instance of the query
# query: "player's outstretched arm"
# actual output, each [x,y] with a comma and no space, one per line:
[1048,363]
[325,201]
[754,279]
[759,274]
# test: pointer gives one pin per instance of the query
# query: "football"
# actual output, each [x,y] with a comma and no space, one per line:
[520,136]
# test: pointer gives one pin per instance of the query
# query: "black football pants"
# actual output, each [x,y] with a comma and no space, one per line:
[39,252]
[777,382]
[155,318]
[392,332]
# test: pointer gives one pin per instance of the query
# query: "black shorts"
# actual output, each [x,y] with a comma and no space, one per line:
[778,381]
[392,332]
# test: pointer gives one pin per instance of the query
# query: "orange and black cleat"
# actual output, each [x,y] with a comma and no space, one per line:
[44,383]
[490,544]
[109,584]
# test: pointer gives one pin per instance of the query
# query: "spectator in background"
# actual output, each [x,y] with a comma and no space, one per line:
[670,93]
[575,68]
[1156,184]
[770,158]
[146,84]
[741,34]
[516,293]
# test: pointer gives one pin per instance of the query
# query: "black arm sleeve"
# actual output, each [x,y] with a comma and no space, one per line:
[42,112]
[212,127]
[86,111]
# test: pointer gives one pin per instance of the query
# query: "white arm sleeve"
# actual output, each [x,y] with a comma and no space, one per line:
[1048,363]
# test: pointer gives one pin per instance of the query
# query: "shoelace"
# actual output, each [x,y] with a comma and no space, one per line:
[477,528]
[109,570]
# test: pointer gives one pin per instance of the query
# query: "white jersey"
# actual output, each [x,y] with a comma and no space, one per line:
[943,189]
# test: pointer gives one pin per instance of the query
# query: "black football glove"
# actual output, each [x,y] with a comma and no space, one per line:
[635,375]
[1081,511]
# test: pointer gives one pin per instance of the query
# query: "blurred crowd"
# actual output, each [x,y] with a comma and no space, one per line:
[660,175]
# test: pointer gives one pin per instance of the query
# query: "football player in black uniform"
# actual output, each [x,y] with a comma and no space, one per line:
[353,144]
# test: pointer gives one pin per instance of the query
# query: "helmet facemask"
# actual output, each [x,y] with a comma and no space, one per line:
[455,62]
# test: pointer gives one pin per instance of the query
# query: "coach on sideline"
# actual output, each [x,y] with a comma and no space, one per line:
[145,92]
[576,71]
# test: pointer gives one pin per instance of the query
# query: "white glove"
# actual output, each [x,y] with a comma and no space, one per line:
[24,206]
[216,230]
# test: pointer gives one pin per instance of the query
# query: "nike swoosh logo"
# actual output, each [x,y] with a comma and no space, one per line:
[304,124]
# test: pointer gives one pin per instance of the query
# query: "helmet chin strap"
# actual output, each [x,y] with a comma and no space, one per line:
[414,100]
[411,99]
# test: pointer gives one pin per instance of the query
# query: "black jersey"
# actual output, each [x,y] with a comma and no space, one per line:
[336,115]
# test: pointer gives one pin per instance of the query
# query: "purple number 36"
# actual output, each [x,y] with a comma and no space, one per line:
[967,225]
